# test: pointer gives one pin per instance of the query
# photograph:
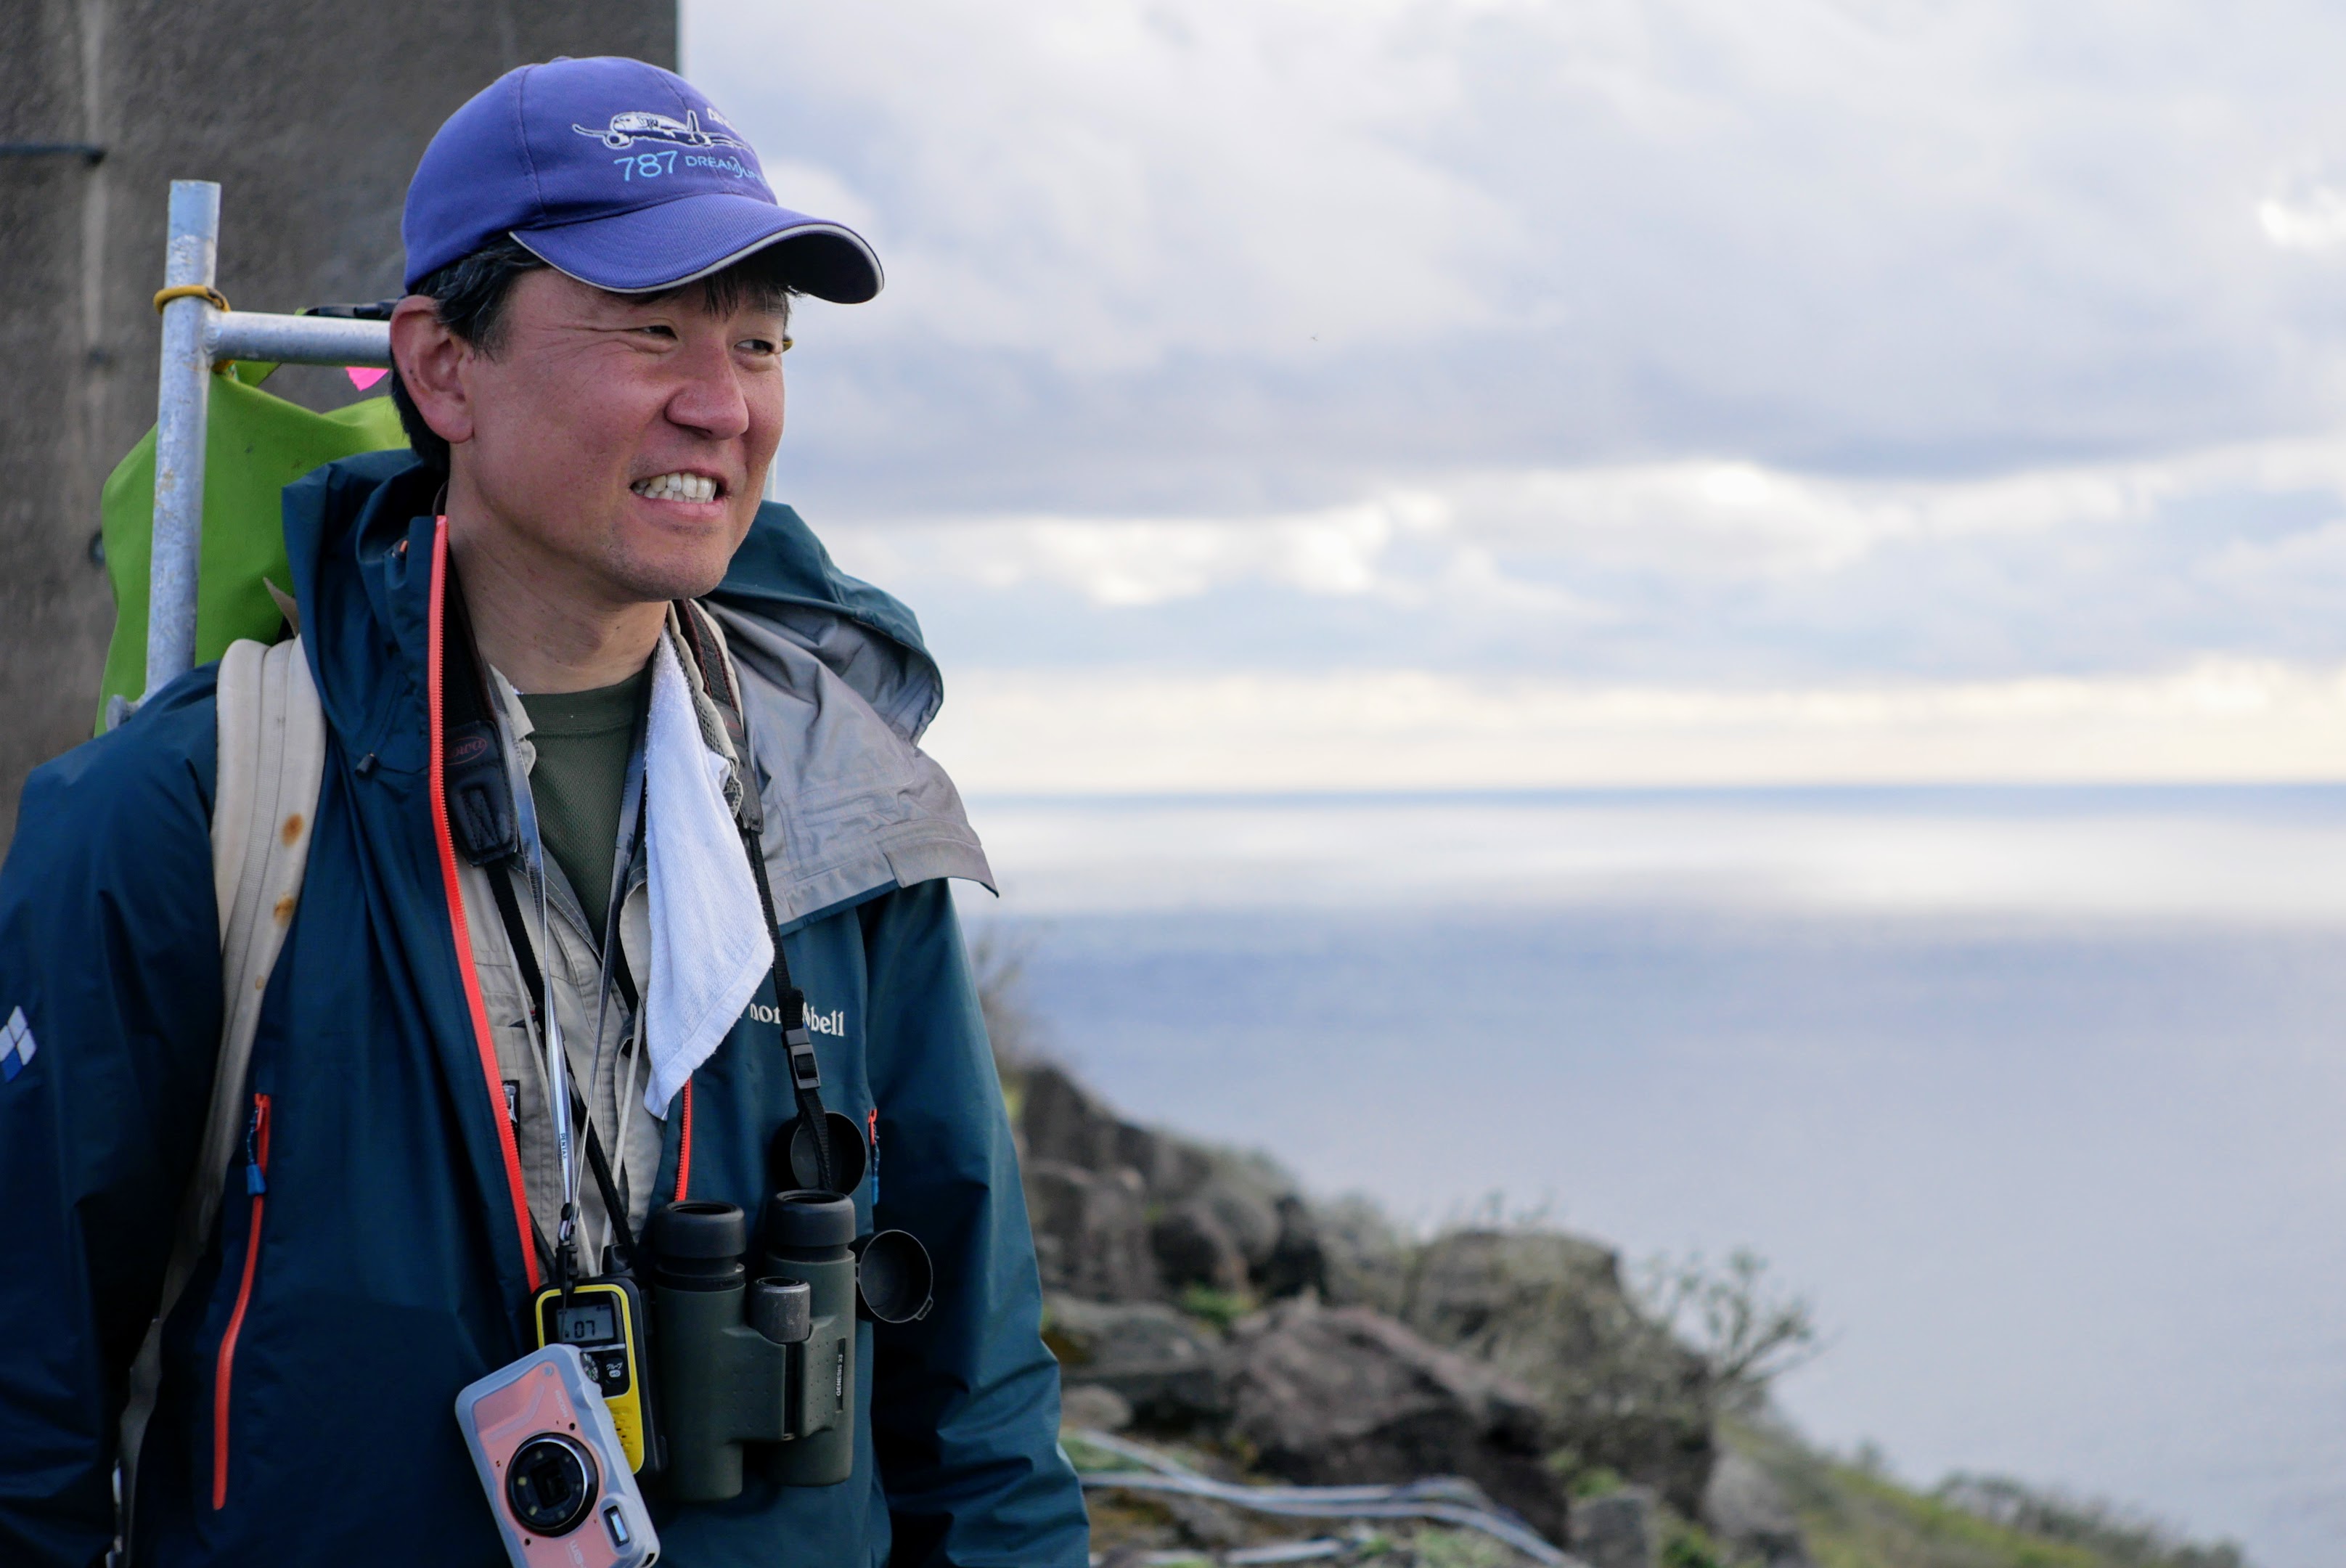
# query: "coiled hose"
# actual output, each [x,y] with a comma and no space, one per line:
[1445,1500]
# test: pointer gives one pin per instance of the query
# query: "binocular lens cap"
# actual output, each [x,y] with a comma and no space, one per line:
[800,1168]
[894,1280]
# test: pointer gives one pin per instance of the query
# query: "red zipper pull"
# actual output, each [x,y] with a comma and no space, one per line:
[256,1161]
[256,1147]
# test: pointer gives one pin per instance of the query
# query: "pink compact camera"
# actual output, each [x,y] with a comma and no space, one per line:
[551,1461]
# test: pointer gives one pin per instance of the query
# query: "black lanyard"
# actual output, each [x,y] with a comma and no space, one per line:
[623,1237]
[790,1002]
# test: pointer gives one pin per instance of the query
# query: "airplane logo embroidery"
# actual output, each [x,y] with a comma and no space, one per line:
[626,129]
[16,1047]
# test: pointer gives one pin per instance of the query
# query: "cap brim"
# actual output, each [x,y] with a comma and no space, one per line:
[680,241]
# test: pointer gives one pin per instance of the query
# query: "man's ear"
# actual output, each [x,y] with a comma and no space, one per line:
[429,358]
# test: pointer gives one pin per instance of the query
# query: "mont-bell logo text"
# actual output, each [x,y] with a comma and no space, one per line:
[833,1023]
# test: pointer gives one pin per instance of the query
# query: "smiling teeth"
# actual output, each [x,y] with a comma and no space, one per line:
[676,487]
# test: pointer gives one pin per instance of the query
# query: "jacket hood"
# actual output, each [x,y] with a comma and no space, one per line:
[782,576]
[837,684]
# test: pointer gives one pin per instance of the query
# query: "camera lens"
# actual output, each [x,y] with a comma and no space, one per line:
[550,1484]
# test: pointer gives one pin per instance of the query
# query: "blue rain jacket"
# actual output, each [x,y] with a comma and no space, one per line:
[367,1263]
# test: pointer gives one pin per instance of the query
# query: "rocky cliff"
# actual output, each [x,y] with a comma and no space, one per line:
[1197,1297]
[1208,1298]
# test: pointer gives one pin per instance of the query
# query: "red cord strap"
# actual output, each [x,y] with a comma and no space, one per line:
[454,891]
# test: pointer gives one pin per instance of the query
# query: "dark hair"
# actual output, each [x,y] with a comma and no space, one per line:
[471,292]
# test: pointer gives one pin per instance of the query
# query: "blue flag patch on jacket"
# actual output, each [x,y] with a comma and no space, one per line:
[16,1047]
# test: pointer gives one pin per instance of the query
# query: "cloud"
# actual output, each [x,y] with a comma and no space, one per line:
[1179,255]
[1125,731]
[1705,518]
[2306,211]
[1828,346]
[1125,563]
[1705,572]
[1111,185]
[2315,221]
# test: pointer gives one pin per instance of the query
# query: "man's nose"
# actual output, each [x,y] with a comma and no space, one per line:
[710,401]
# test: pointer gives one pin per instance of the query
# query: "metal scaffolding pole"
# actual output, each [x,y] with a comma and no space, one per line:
[198,337]
[179,408]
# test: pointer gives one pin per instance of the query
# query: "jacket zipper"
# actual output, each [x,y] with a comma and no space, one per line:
[256,1183]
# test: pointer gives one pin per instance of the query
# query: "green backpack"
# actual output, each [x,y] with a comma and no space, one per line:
[256,444]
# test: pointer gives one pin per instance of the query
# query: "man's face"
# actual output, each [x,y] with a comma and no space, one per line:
[620,446]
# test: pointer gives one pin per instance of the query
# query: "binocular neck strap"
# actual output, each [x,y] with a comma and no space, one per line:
[806,1074]
[700,638]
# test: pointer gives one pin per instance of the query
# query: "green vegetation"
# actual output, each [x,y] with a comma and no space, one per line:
[1218,1308]
[1855,1516]
[1746,1331]
[1686,1545]
[1460,1549]
[1595,1480]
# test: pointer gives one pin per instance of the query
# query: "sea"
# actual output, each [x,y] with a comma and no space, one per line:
[2037,1095]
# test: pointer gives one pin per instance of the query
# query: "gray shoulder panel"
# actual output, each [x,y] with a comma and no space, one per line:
[851,804]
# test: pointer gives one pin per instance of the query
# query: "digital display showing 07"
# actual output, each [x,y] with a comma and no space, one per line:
[586,1323]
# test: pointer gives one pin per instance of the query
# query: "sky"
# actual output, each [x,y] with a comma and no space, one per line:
[1473,393]
[1482,405]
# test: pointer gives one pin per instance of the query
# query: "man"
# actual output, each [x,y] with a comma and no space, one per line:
[589,366]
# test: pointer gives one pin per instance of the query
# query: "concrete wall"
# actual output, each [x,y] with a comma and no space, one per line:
[311,115]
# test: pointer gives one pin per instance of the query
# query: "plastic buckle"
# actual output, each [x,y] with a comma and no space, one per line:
[481,814]
[805,1071]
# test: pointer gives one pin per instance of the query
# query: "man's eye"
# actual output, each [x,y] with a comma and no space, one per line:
[660,330]
[765,345]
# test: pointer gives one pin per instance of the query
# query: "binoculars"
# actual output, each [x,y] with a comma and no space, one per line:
[760,1364]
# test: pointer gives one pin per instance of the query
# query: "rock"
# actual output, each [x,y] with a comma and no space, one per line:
[1550,1311]
[1169,1166]
[1298,1262]
[1242,1193]
[1193,1249]
[1368,1263]
[1218,1211]
[1344,1395]
[1617,1531]
[1159,1362]
[1091,1234]
[1059,1119]
[1215,1526]
[1063,1122]
[1747,1512]
[1093,1407]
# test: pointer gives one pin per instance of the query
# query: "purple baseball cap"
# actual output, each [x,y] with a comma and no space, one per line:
[620,174]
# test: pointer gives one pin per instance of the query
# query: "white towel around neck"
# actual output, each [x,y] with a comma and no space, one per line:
[710,946]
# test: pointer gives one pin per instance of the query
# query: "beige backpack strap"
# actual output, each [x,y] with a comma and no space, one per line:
[272,758]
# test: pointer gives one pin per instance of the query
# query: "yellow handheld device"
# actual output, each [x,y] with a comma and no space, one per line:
[604,1322]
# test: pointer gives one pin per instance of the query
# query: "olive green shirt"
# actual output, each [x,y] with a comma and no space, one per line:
[579,779]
